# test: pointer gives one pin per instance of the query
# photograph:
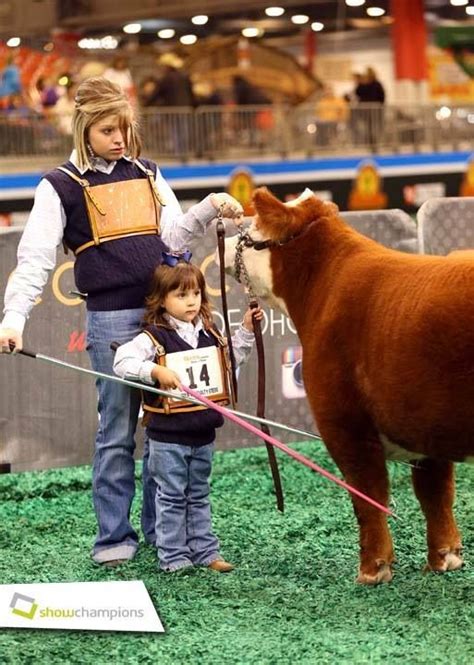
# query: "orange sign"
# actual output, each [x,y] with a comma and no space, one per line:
[366,193]
[241,187]
[467,185]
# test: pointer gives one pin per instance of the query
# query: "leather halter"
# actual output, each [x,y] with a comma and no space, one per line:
[246,240]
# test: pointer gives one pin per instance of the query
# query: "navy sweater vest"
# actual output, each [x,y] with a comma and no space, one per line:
[115,274]
[196,428]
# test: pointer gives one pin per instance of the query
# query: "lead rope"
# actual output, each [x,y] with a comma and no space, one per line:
[220,229]
[241,273]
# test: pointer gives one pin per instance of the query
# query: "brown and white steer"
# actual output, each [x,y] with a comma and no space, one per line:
[388,360]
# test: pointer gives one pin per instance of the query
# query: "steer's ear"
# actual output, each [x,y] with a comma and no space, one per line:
[278,221]
[273,216]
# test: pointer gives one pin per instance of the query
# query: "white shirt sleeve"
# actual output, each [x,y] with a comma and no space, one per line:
[177,230]
[242,343]
[36,255]
[134,360]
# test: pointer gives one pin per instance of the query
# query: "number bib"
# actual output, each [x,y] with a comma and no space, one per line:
[205,369]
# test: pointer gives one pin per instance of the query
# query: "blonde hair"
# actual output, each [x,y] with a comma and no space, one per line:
[95,99]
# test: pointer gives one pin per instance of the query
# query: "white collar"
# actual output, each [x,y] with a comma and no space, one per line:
[98,164]
[188,328]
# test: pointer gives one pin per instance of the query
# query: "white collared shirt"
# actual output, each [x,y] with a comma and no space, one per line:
[44,233]
[134,360]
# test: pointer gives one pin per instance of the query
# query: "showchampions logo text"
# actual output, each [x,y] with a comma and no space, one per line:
[90,613]
[36,612]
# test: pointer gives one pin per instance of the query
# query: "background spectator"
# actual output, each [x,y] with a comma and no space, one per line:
[175,90]
[119,73]
[248,93]
[10,82]
[372,92]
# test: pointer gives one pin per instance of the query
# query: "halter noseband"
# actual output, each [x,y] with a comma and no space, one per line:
[246,240]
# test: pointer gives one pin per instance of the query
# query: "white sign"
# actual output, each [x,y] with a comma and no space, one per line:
[121,606]
[199,369]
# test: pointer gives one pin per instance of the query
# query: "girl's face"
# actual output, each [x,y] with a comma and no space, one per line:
[183,304]
[106,138]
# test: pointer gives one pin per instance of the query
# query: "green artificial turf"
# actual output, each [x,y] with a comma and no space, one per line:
[291,599]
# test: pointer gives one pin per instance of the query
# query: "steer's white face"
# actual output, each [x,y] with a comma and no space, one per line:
[257,262]
[258,267]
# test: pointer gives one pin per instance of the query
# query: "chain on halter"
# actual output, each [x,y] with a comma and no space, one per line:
[240,269]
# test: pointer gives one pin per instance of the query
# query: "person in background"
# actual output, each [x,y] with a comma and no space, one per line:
[255,123]
[245,93]
[372,93]
[178,318]
[48,95]
[64,109]
[175,90]
[10,81]
[356,120]
[331,115]
[119,73]
[114,265]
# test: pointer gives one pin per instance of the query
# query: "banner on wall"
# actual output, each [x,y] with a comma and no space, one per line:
[446,78]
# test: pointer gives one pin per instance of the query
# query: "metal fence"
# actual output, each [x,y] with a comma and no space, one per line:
[228,132]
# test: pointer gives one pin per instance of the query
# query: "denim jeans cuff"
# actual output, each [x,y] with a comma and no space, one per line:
[172,568]
[115,552]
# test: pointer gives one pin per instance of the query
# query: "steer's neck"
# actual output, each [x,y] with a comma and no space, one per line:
[304,268]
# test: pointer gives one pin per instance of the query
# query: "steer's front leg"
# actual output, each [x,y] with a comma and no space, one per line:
[362,464]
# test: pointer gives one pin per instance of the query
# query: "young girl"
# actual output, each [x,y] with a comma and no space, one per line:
[178,319]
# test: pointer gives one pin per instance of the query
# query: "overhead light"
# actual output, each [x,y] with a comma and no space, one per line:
[13,42]
[166,33]
[470,10]
[299,19]
[274,11]
[355,3]
[64,80]
[200,19]
[251,32]
[132,28]
[188,39]
[317,26]
[459,3]
[108,43]
[375,12]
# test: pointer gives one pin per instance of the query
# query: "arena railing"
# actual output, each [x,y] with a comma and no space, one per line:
[236,132]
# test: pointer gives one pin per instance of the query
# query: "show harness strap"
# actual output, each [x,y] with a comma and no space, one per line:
[253,303]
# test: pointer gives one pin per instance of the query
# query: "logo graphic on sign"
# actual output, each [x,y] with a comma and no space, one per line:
[23,606]
[241,187]
[367,193]
[467,185]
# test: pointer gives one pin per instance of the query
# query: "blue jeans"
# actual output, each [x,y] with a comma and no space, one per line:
[113,472]
[183,513]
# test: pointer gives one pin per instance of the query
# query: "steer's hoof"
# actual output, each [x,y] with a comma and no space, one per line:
[444,560]
[383,574]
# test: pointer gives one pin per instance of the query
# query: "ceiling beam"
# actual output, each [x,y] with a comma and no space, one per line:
[103,13]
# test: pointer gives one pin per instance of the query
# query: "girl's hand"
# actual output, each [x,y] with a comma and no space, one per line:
[167,379]
[230,207]
[247,322]
[7,336]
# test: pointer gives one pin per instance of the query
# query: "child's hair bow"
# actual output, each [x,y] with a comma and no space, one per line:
[172,259]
